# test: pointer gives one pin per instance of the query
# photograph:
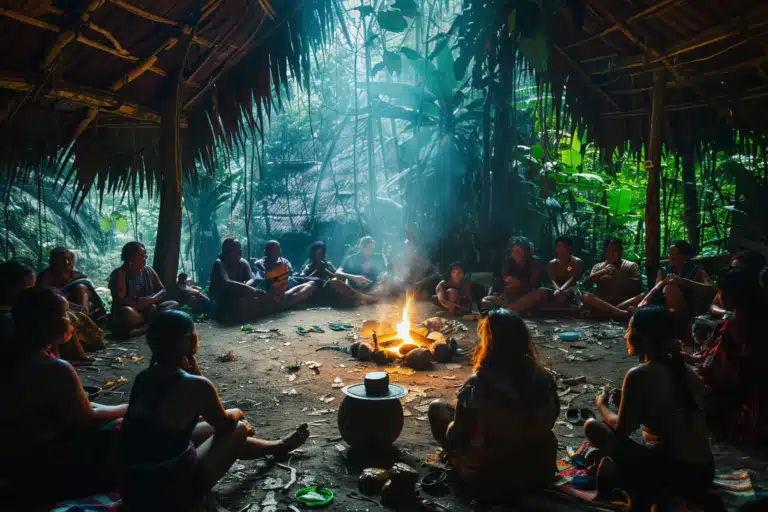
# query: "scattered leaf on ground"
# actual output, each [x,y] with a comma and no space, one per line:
[291,377]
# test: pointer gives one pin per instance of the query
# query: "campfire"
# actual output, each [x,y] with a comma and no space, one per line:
[417,346]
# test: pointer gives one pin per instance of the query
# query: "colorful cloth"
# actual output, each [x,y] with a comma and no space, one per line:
[96,503]
[733,487]
[276,276]
[144,284]
[622,285]
[89,335]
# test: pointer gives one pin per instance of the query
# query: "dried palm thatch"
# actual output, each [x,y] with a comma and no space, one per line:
[83,83]
[713,53]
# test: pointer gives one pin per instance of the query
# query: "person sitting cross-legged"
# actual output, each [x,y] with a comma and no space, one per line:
[564,272]
[275,276]
[137,292]
[664,397]
[455,294]
[330,280]
[171,458]
[414,272]
[365,270]
[498,437]
[56,443]
[189,295]
[521,276]
[616,282]
[235,299]
[72,285]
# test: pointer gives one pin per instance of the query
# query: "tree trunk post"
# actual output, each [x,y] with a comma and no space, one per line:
[652,166]
[168,242]
[691,200]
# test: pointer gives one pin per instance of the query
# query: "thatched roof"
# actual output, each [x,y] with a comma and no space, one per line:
[713,53]
[84,82]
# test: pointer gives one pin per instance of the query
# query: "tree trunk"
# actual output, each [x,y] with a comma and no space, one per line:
[652,213]
[369,130]
[168,243]
[691,201]
[485,195]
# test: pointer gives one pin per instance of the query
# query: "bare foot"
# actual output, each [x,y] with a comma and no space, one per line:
[291,442]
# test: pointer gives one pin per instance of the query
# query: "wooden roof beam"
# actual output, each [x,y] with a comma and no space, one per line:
[138,11]
[106,101]
[8,13]
[585,76]
[70,34]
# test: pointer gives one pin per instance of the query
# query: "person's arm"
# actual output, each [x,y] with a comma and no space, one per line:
[701,282]
[465,420]
[119,293]
[73,404]
[228,286]
[160,295]
[535,275]
[716,309]
[213,410]
[595,275]
[627,420]
[552,271]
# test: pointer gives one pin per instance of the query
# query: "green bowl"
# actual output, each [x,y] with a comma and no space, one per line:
[322,491]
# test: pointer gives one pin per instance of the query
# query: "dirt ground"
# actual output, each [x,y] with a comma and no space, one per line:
[258,382]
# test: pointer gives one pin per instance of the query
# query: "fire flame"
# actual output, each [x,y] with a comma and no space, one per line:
[403,328]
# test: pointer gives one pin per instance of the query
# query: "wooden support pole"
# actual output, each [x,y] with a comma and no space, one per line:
[691,200]
[168,243]
[652,166]
[70,34]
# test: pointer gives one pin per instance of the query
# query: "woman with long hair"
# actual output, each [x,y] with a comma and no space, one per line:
[663,396]
[499,435]
[56,443]
[171,458]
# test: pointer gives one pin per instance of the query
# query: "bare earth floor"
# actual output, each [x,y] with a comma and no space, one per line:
[258,382]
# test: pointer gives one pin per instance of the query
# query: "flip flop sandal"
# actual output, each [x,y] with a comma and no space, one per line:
[573,416]
[317,328]
[340,327]
[302,331]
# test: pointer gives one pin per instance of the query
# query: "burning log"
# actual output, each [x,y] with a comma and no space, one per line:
[420,339]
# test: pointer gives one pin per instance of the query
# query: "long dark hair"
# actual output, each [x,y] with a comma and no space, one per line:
[653,334]
[38,318]
[504,342]
[168,337]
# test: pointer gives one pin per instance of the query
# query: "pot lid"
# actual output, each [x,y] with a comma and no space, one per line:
[375,387]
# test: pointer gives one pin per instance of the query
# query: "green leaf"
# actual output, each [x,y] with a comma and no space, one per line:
[571,158]
[407,7]
[537,152]
[393,21]
[575,143]
[512,21]
[394,62]
[410,53]
[619,201]
[106,224]
[121,225]
[364,10]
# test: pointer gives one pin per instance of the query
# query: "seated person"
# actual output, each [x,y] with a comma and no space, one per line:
[753,262]
[455,294]
[137,292]
[85,306]
[58,445]
[733,362]
[564,272]
[275,277]
[664,397]
[189,295]
[680,286]
[498,437]
[15,277]
[521,274]
[321,271]
[616,281]
[365,270]
[414,272]
[72,285]
[232,286]
[171,458]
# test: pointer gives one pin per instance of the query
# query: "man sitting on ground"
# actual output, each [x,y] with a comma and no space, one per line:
[321,271]
[617,283]
[275,274]
[190,295]
[455,294]
[564,272]
[521,278]
[71,284]
[365,270]
[234,297]
[137,292]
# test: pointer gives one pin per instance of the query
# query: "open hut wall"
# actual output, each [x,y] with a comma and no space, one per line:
[712,53]
[93,112]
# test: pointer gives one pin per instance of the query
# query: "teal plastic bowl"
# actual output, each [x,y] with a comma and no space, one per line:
[327,494]
[570,336]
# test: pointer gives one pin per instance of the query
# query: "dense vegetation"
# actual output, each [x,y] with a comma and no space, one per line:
[422,118]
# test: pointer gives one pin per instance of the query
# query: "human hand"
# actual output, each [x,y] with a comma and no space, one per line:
[601,399]
[235,414]
[361,281]
[609,270]
[670,279]
[512,281]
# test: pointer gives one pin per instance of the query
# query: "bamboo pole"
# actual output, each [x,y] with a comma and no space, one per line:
[652,165]
[165,21]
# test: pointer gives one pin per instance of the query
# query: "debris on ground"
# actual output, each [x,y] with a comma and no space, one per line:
[337,383]
[227,357]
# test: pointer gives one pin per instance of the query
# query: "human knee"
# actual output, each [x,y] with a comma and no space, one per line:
[437,410]
[127,317]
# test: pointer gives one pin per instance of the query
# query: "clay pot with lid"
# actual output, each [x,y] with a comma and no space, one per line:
[371,416]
